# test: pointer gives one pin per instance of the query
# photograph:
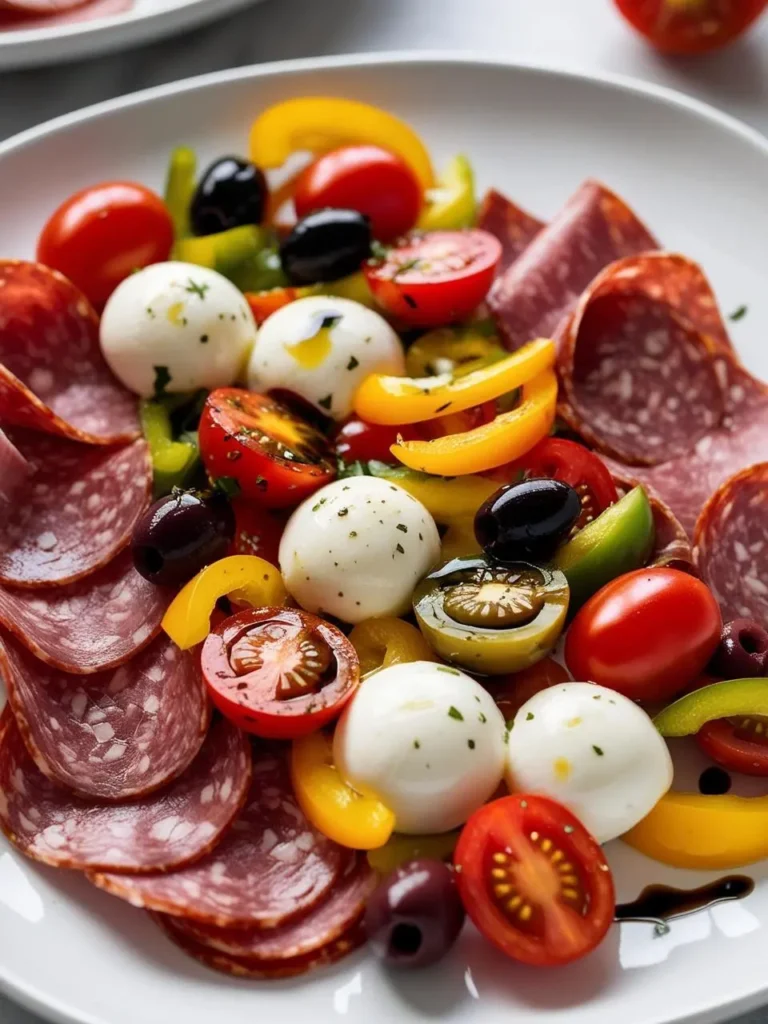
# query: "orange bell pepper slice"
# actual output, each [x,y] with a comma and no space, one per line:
[508,437]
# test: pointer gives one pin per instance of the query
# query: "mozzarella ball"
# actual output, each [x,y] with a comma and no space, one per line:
[426,740]
[322,348]
[178,326]
[592,750]
[357,548]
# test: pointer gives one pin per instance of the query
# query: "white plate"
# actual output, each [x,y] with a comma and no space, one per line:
[700,180]
[147,20]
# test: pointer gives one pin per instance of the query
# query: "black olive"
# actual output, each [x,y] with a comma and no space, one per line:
[415,915]
[743,650]
[326,245]
[527,520]
[181,534]
[231,192]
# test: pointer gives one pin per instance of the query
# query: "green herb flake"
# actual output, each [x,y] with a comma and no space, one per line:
[510,724]
[342,512]
[197,289]
[353,533]
[455,713]
[471,744]
[227,485]
[326,402]
[353,363]
[442,408]
[481,718]
[379,251]
[400,549]
[162,380]
[738,314]
[204,339]
[416,745]
[598,750]
[261,483]
[448,669]
[402,528]
[529,717]
[329,321]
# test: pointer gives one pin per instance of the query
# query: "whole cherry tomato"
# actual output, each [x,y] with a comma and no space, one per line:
[100,235]
[356,439]
[690,26]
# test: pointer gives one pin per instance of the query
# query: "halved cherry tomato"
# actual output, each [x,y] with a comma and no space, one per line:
[512,691]
[534,881]
[690,26]
[571,463]
[740,745]
[100,235]
[437,278]
[276,458]
[646,634]
[279,672]
[357,439]
[370,179]
[258,530]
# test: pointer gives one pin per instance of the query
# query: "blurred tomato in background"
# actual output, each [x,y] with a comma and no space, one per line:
[691,26]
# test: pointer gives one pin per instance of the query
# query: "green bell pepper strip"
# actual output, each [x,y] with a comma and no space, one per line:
[451,205]
[733,698]
[180,186]
[173,462]
[618,541]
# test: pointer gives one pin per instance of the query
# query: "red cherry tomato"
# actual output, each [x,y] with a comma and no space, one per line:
[276,458]
[279,672]
[512,691]
[258,530]
[534,881]
[357,439]
[691,27]
[740,745]
[365,178]
[647,634]
[435,279]
[99,236]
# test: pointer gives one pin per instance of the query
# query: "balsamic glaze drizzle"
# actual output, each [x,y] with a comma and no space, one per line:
[658,903]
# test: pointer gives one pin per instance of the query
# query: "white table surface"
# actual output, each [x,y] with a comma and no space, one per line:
[574,33]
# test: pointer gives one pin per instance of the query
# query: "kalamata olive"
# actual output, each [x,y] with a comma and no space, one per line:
[526,520]
[743,650]
[325,246]
[415,915]
[231,192]
[180,534]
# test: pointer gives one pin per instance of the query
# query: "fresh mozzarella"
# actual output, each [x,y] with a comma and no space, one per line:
[322,348]
[426,740]
[357,548]
[178,326]
[592,750]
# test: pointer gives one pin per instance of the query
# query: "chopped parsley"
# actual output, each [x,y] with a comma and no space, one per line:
[416,745]
[197,289]
[402,528]
[410,301]
[448,669]
[227,485]
[342,512]
[510,724]
[455,713]
[261,483]
[162,380]
[597,750]
[442,408]
[406,266]
[353,533]
[326,402]
[529,717]
[353,363]
[738,314]
[319,503]
[400,549]
[203,339]
[471,744]
[481,718]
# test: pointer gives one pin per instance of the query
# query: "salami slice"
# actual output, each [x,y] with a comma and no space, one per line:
[98,623]
[535,296]
[731,545]
[14,469]
[325,923]
[271,867]
[264,970]
[79,509]
[53,376]
[113,735]
[16,19]
[156,833]
[513,226]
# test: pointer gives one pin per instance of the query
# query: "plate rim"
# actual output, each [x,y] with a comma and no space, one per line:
[22,992]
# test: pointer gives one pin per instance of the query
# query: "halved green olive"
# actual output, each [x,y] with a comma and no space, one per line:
[489,618]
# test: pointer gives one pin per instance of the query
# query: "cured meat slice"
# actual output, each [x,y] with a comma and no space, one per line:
[14,469]
[53,376]
[14,17]
[534,297]
[114,735]
[264,970]
[513,226]
[156,833]
[79,509]
[98,623]
[271,867]
[325,923]
[731,545]
[639,381]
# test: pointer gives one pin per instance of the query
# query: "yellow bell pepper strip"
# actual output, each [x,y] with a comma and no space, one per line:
[400,849]
[446,499]
[338,811]
[451,350]
[388,641]
[507,438]
[180,185]
[319,124]
[706,833]
[246,578]
[173,462]
[730,699]
[451,205]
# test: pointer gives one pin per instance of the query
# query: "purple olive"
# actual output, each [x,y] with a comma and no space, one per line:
[181,534]
[415,915]
[743,650]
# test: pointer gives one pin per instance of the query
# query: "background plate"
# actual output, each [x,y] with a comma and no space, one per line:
[699,179]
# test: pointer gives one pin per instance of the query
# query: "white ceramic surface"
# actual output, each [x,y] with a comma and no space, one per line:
[147,19]
[699,179]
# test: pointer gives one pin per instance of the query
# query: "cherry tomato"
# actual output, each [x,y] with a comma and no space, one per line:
[258,530]
[264,304]
[647,634]
[693,26]
[275,458]
[457,422]
[510,692]
[279,672]
[572,464]
[534,881]
[99,236]
[739,745]
[369,179]
[358,439]
[437,278]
